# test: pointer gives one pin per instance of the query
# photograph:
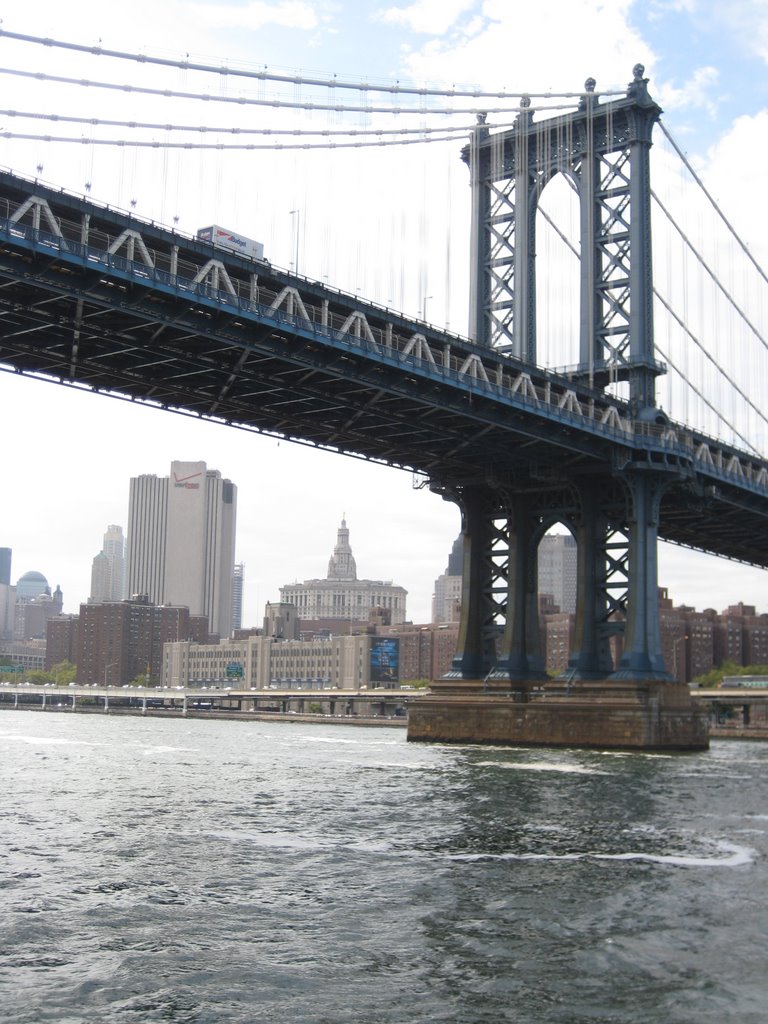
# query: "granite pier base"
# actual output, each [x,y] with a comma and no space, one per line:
[605,714]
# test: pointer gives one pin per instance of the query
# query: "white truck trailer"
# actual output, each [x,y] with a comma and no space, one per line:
[222,238]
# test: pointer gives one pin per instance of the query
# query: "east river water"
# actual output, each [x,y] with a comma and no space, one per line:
[208,871]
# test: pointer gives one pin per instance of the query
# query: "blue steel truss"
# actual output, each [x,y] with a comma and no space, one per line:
[97,298]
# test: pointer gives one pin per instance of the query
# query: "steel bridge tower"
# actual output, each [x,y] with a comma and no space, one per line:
[603,149]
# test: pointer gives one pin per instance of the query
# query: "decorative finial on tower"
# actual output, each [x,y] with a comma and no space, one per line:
[638,87]
[588,98]
[525,116]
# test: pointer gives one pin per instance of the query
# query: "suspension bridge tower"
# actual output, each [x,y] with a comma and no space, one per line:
[497,689]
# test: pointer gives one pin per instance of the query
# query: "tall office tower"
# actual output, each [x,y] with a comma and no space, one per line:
[446,600]
[5,567]
[7,595]
[558,556]
[181,541]
[238,582]
[108,569]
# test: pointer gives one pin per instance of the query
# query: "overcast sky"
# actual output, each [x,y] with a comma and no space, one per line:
[391,225]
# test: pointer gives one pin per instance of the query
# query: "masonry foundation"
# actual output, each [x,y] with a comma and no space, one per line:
[647,715]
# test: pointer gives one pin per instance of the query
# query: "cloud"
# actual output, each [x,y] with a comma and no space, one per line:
[431,17]
[692,94]
[258,14]
[747,21]
[515,51]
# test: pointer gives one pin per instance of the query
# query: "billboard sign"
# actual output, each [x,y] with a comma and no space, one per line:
[385,660]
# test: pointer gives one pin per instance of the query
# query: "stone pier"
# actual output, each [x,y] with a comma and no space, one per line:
[604,714]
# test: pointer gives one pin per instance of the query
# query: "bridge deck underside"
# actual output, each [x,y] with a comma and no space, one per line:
[78,324]
[113,336]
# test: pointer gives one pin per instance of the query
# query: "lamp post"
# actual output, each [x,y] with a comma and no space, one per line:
[424,309]
[296,231]
[679,640]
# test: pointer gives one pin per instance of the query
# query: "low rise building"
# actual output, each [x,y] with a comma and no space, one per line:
[265,662]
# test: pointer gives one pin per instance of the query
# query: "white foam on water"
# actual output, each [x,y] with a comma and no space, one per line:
[544,766]
[732,856]
[329,739]
[168,750]
[48,741]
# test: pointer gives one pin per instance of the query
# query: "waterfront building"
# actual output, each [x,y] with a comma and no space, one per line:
[181,541]
[426,651]
[61,640]
[266,662]
[119,641]
[29,654]
[108,569]
[341,596]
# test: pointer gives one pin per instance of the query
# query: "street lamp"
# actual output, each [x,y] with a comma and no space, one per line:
[106,671]
[298,215]
[424,310]
[679,640]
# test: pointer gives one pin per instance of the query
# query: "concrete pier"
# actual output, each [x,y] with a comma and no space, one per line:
[600,714]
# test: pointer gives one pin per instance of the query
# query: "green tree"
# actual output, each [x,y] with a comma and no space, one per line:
[39,678]
[716,675]
[144,679]
[63,673]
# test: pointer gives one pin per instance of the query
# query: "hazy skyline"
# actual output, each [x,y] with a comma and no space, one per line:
[391,226]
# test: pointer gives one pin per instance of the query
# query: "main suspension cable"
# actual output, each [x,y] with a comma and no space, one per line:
[213,130]
[243,101]
[269,76]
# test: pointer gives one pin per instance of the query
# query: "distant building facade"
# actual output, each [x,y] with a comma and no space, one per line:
[34,605]
[238,585]
[692,642]
[557,577]
[7,595]
[5,567]
[181,541]
[557,563]
[341,595]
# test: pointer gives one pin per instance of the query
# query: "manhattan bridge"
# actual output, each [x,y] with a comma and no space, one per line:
[94,296]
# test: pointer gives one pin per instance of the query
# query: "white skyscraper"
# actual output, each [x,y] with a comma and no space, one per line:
[181,541]
[108,570]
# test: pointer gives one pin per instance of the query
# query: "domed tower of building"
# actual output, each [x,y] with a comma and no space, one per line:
[35,605]
[342,596]
[341,565]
